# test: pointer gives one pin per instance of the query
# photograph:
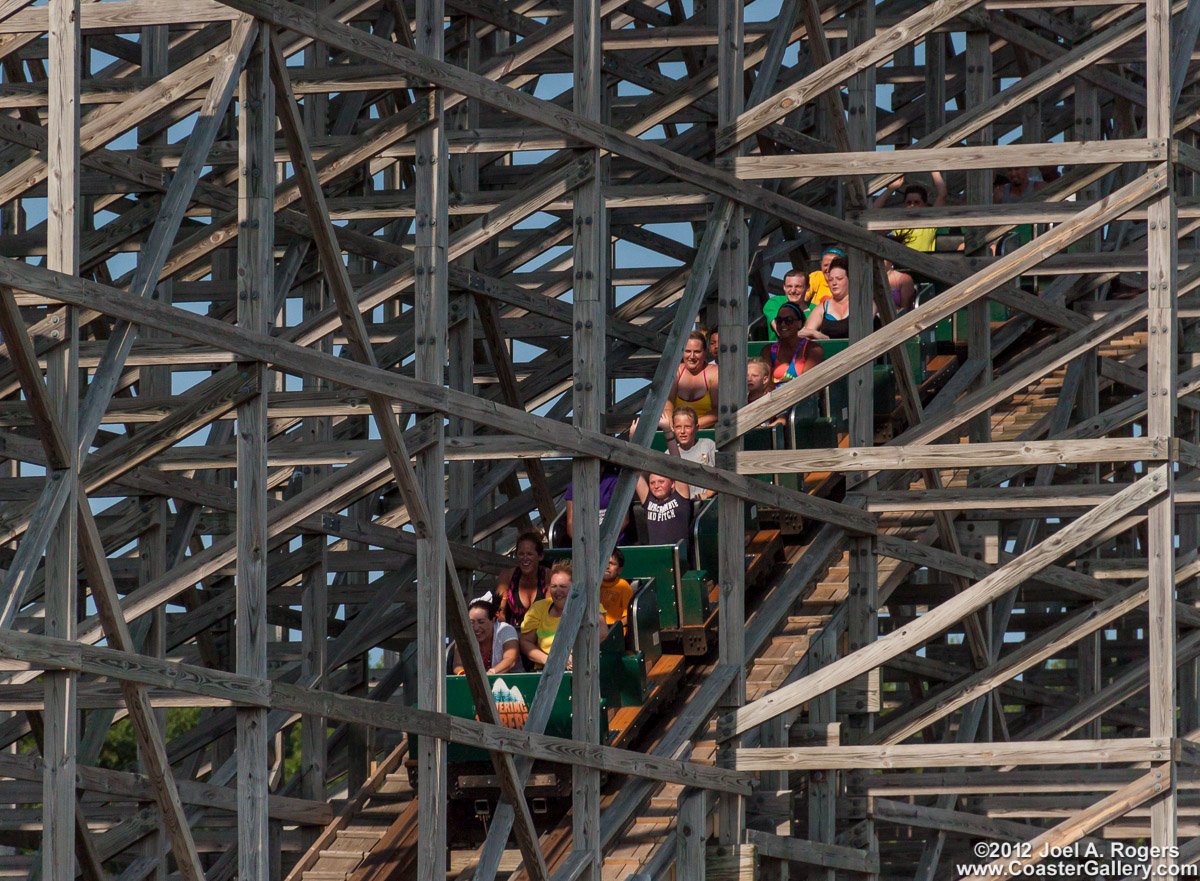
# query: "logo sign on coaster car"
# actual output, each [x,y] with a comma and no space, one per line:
[510,705]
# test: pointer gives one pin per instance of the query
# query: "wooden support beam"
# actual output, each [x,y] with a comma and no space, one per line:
[1071,752]
[1161,409]
[590,299]
[256,190]
[1145,490]
[60,720]
[948,456]
[733,263]
[947,159]
[25,651]
[814,853]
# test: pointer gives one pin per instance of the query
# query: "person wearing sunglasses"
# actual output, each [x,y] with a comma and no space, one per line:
[792,354]
[795,290]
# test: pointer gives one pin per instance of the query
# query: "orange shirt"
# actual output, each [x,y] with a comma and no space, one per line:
[615,597]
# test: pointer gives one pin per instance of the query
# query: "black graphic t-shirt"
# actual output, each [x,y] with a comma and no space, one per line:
[667,522]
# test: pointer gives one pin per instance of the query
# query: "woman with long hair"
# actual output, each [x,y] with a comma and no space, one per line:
[525,583]
[695,384]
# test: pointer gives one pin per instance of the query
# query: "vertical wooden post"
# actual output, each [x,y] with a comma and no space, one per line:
[866,273]
[314,619]
[773,732]
[255,276]
[430,298]
[979,192]
[590,299]
[822,785]
[155,382]
[691,833]
[315,581]
[1087,128]
[62,375]
[732,271]
[1161,369]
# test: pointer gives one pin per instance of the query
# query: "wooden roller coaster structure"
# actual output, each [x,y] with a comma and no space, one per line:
[309,306]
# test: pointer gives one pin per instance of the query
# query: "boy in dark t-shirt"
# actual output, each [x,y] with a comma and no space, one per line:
[668,509]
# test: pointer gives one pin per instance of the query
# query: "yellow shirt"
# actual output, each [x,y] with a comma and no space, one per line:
[539,620]
[818,288]
[615,598]
[919,239]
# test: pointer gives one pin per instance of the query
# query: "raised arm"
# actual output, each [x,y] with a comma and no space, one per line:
[643,488]
[882,198]
[939,186]
[668,413]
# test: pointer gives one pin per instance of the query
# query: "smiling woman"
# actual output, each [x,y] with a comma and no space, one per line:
[525,583]
[498,641]
[695,384]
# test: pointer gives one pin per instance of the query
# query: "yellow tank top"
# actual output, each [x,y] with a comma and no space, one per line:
[702,405]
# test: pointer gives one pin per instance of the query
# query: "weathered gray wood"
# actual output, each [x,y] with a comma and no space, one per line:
[256,188]
[829,856]
[691,832]
[868,53]
[431,303]
[733,264]
[939,755]
[1145,490]
[1050,452]
[1067,833]
[590,298]
[59,741]
[947,159]
[431,538]
[1054,458]
[1162,366]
